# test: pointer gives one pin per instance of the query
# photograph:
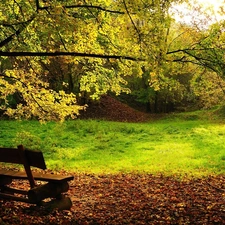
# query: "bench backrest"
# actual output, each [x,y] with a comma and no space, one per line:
[25,157]
[19,156]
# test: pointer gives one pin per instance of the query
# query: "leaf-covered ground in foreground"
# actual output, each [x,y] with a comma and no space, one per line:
[129,199]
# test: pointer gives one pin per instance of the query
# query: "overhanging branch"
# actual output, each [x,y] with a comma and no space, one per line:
[132,21]
[80,6]
[10,38]
[94,7]
[76,54]
[25,85]
[196,58]
[17,32]
[186,50]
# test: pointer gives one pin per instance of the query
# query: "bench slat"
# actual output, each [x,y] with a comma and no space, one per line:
[37,176]
[12,155]
[13,197]
[36,159]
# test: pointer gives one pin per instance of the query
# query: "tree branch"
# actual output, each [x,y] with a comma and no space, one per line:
[18,31]
[132,21]
[37,5]
[188,49]
[25,85]
[10,38]
[76,54]
[82,6]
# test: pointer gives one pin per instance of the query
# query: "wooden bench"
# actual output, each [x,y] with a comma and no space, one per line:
[53,186]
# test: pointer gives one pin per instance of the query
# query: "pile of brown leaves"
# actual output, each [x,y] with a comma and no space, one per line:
[129,199]
[111,109]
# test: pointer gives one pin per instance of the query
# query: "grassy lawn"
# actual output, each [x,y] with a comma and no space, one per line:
[182,144]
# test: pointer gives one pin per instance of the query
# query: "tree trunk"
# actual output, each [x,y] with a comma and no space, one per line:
[156,102]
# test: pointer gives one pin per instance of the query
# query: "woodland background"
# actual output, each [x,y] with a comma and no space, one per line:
[57,57]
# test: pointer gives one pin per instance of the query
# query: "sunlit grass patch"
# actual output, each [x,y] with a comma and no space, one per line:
[170,146]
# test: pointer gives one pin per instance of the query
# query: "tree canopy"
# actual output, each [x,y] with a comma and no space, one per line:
[56,53]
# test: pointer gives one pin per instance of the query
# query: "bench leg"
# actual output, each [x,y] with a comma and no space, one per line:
[49,190]
[64,203]
[5,181]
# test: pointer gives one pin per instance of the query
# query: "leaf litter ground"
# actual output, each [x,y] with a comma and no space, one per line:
[129,199]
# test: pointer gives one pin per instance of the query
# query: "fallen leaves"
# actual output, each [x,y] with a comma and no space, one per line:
[129,199]
[113,110]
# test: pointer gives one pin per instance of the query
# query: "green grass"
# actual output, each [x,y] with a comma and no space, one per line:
[184,144]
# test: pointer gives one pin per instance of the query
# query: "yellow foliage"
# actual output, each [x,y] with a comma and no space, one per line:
[38,100]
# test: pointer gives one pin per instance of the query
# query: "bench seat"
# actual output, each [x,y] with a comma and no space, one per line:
[37,176]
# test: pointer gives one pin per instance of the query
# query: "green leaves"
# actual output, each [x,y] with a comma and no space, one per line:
[104,45]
